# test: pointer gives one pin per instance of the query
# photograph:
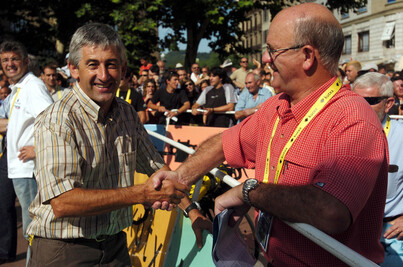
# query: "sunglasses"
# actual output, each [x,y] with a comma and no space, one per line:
[189,84]
[244,61]
[375,100]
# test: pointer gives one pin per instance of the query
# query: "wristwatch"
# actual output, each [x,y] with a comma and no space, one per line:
[194,205]
[249,185]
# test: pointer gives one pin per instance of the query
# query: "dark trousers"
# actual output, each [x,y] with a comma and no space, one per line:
[80,252]
[8,214]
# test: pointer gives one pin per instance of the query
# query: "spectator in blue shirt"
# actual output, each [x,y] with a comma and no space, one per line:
[250,100]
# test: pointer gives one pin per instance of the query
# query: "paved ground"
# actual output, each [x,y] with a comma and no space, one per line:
[22,243]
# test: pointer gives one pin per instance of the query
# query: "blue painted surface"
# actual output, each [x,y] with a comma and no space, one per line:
[183,250]
[158,128]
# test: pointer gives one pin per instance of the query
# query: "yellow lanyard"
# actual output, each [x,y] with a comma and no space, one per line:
[128,100]
[387,126]
[318,106]
[12,106]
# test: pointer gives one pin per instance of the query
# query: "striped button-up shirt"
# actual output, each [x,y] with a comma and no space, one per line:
[78,146]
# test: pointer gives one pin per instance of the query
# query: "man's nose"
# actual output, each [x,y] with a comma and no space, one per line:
[103,73]
[266,57]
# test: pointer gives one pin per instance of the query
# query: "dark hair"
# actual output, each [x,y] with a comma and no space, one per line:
[49,66]
[343,74]
[216,71]
[171,74]
[14,46]
[145,85]
[155,69]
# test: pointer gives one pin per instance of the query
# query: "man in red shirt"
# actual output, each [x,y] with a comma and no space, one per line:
[319,150]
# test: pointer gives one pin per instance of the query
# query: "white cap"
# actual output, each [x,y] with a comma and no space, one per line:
[178,65]
[226,63]
[369,66]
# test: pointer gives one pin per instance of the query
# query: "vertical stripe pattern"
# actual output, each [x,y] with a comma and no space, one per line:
[76,145]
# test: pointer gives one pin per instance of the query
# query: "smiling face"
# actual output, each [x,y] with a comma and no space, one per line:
[49,77]
[98,73]
[14,65]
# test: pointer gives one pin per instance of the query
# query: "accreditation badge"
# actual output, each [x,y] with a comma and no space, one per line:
[263,228]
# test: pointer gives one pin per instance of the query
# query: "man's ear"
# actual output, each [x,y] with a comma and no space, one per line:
[73,70]
[309,56]
[389,104]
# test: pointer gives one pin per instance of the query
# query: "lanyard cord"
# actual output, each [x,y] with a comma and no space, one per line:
[387,126]
[318,106]
[12,106]
[127,95]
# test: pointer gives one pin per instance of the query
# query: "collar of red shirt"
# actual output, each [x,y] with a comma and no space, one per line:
[299,110]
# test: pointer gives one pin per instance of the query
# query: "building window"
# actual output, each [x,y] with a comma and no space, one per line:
[265,15]
[347,45]
[388,35]
[362,10]
[265,32]
[363,41]
[345,16]
[391,1]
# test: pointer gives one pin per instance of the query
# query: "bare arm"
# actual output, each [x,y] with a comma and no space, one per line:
[156,107]
[194,109]
[81,202]
[241,114]
[142,116]
[306,204]
[209,155]
[227,107]
[3,126]
[240,85]
[182,109]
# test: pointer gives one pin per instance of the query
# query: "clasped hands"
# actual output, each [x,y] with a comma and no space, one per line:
[231,199]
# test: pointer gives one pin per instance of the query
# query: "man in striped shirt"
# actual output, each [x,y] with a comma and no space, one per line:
[88,146]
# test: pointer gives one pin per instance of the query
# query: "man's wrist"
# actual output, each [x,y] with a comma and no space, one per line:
[192,206]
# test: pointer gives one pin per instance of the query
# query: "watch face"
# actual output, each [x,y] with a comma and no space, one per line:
[251,182]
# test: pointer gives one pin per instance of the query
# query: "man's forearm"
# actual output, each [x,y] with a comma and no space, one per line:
[185,107]
[306,204]
[3,126]
[81,202]
[227,107]
[208,156]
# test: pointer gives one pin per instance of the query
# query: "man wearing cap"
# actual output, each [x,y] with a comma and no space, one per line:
[226,65]
[369,67]
[377,90]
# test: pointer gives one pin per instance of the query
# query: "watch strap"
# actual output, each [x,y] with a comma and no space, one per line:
[192,206]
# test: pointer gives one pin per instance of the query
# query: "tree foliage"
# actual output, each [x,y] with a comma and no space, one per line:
[46,26]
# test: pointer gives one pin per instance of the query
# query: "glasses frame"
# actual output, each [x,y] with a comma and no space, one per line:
[272,51]
[376,99]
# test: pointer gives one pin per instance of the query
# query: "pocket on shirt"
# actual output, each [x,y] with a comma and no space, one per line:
[295,173]
[127,166]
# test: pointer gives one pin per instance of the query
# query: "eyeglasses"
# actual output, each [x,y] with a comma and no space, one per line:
[272,51]
[375,99]
[244,61]
[189,84]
